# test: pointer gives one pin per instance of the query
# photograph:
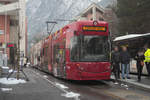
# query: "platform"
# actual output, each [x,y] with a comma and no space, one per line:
[143,84]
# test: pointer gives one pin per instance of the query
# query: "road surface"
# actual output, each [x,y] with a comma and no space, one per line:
[43,86]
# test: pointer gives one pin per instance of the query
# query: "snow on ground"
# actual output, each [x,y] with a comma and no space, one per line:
[11,70]
[11,81]
[6,89]
[71,95]
[45,76]
[4,67]
[61,85]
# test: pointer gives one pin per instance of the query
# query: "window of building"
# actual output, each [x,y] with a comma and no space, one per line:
[1,31]
[101,19]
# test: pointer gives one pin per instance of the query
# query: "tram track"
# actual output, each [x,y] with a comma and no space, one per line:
[96,88]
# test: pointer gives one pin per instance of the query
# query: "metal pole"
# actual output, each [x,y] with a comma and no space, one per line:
[5,37]
[94,13]
[19,38]
[18,54]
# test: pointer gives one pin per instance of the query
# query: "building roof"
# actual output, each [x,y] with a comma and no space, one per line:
[99,8]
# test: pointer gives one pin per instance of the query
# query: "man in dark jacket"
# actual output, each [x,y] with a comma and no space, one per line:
[115,62]
[125,60]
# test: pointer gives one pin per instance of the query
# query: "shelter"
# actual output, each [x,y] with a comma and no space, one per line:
[133,41]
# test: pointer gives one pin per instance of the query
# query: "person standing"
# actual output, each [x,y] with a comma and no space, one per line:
[125,60]
[115,62]
[147,60]
[140,62]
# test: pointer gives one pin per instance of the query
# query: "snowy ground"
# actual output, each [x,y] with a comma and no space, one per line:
[6,89]
[11,81]
[4,67]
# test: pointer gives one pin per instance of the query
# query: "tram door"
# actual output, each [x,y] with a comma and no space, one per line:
[59,60]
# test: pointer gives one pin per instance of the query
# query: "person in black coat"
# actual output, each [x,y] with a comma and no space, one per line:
[140,62]
[115,62]
[125,60]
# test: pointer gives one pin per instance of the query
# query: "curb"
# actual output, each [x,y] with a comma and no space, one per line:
[135,84]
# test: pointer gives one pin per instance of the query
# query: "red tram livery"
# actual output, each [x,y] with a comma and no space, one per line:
[78,51]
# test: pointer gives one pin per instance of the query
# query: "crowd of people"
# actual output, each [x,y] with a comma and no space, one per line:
[121,62]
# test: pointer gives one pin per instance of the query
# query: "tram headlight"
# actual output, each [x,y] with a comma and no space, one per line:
[107,67]
[68,67]
[80,67]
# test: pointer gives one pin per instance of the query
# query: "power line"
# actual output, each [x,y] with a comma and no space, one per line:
[64,20]
[53,25]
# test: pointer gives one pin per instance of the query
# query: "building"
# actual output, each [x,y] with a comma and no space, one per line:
[96,12]
[93,12]
[35,52]
[12,23]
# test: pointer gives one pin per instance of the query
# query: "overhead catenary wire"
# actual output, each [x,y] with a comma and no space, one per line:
[53,25]
[64,20]
[54,22]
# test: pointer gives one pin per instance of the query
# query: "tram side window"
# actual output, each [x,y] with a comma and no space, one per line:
[74,48]
[56,54]
[43,52]
[59,55]
[46,51]
[62,50]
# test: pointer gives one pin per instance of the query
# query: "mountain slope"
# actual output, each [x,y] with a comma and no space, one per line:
[40,11]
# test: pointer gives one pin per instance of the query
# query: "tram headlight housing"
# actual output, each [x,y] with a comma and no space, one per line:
[107,67]
[95,22]
[68,67]
[80,67]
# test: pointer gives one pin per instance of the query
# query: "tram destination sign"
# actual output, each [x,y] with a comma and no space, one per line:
[94,28]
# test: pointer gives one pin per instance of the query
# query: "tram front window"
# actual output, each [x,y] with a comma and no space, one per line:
[90,48]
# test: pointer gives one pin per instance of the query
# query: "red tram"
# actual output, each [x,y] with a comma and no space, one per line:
[78,51]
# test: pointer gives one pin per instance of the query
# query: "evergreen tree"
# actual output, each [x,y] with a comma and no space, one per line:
[134,16]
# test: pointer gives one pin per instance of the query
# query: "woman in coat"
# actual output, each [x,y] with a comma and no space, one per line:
[140,62]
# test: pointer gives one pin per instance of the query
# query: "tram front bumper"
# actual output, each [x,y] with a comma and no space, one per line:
[95,76]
